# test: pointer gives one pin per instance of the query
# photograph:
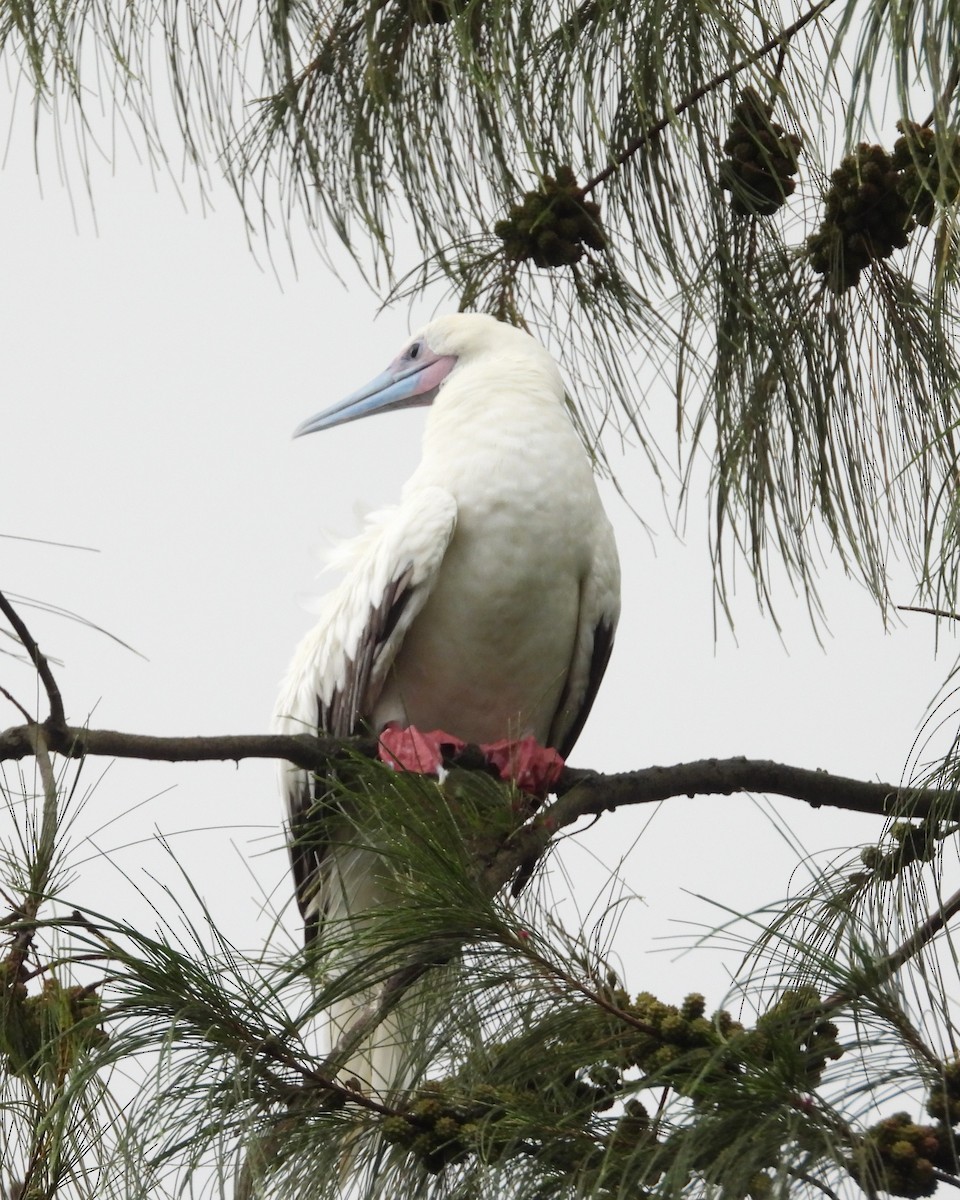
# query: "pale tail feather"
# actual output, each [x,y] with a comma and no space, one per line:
[354,886]
[382,1063]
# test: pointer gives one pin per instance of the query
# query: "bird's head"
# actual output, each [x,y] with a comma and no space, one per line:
[447,345]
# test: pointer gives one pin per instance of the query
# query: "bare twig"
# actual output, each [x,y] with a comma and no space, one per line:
[372,1014]
[18,706]
[803,1177]
[930,612]
[920,937]
[778,41]
[953,78]
[56,716]
[908,949]
[591,994]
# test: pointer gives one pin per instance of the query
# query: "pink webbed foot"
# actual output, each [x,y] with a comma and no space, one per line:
[532,767]
[411,749]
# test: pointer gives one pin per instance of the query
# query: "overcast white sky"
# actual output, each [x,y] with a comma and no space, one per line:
[153,373]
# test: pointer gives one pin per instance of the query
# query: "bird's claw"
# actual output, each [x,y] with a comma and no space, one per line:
[531,767]
[411,749]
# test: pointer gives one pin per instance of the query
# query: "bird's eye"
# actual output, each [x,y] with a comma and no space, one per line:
[414,351]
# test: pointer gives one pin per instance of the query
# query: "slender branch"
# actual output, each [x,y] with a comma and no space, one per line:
[803,1177]
[40,864]
[318,1080]
[953,78]
[372,1014]
[591,994]
[47,968]
[16,704]
[313,1080]
[636,144]
[888,967]
[921,936]
[57,717]
[581,792]
[930,612]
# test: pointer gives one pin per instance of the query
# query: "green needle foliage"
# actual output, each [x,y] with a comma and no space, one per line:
[628,180]
[680,195]
[182,1065]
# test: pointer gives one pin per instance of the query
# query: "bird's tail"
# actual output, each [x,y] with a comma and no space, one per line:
[385,1060]
[381,1064]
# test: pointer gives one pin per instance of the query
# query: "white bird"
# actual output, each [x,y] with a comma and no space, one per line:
[484,604]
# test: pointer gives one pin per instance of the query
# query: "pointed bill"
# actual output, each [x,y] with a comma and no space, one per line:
[410,381]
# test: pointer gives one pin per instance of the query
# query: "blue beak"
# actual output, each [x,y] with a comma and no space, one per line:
[400,386]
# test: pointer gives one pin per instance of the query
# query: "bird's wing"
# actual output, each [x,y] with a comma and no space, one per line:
[596,625]
[339,668]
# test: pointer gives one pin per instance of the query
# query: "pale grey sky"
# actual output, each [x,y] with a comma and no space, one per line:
[153,374]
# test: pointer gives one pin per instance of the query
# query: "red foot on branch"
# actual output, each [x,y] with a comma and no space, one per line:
[532,767]
[411,750]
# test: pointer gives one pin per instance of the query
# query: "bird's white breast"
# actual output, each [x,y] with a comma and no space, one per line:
[490,652]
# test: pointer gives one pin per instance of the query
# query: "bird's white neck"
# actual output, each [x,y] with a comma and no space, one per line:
[501,400]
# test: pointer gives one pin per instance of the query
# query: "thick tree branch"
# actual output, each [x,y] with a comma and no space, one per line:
[76,741]
[581,793]
[586,793]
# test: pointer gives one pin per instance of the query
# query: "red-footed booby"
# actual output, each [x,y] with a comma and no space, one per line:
[484,604]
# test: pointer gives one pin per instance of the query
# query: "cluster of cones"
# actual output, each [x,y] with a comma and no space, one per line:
[763,159]
[553,225]
[877,198]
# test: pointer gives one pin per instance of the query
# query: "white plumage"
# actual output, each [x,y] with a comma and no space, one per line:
[484,604]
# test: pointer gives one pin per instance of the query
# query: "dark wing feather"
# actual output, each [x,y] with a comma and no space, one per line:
[599,657]
[339,668]
[590,653]
[340,716]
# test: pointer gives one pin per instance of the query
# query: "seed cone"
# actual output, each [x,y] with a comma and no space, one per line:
[928,172]
[553,225]
[763,159]
[866,217]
